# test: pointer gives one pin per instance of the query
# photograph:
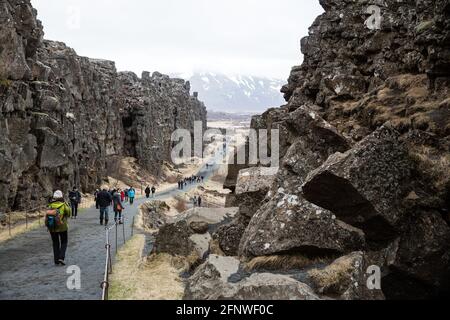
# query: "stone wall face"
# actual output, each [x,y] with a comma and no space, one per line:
[66,120]
[364,142]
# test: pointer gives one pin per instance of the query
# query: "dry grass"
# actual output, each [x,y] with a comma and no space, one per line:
[137,278]
[19,226]
[333,276]
[282,262]
[433,163]
[17,230]
[214,248]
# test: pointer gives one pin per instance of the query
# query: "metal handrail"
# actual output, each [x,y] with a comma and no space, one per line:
[108,262]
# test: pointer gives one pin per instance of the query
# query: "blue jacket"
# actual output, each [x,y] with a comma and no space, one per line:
[131,193]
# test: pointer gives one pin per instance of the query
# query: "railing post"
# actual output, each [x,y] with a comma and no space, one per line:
[116,239]
[9,223]
[26,220]
[132,228]
[123,229]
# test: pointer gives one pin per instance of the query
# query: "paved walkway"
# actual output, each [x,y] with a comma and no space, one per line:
[27,271]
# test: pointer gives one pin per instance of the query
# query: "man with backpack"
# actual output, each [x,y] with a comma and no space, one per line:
[75,200]
[56,222]
[153,192]
[104,200]
[131,195]
[147,192]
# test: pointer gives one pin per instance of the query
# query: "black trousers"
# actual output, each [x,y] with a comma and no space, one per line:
[60,240]
[74,207]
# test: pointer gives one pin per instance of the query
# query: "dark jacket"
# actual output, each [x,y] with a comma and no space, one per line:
[104,199]
[75,196]
[147,191]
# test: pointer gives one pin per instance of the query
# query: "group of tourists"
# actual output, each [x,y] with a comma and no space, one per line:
[149,191]
[197,201]
[182,184]
[59,211]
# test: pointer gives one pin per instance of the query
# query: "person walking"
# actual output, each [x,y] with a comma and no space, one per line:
[56,222]
[147,192]
[195,201]
[75,200]
[199,201]
[95,198]
[131,195]
[104,202]
[122,195]
[126,195]
[118,207]
[153,191]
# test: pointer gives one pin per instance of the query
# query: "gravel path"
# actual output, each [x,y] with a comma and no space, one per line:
[27,271]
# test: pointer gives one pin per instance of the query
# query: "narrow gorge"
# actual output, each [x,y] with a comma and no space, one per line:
[358,209]
[67,120]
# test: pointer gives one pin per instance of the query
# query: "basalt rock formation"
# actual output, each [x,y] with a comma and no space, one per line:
[365,161]
[66,120]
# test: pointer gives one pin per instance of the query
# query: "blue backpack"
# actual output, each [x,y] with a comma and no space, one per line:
[54,218]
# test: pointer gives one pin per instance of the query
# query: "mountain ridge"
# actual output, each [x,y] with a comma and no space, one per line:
[236,93]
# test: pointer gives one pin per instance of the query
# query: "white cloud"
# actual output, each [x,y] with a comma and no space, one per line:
[259,37]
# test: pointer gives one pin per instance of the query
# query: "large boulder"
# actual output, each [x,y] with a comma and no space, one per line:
[420,260]
[215,280]
[214,217]
[229,236]
[286,222]
[366,185]
[153,215]
[251,189]
[290,224]
[175,239]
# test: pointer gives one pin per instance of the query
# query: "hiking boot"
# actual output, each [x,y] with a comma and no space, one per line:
[101,222]
[61,262]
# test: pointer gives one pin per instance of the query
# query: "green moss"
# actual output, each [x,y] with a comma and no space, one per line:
[424,26]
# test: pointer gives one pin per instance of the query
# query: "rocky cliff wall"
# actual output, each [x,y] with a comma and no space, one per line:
[365,155]
[66,120]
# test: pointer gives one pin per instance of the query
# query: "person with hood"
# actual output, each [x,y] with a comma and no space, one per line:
[147,192]
[56,221]
[104,200]
[131,195]
[75,200]
[118,207]
[95,198]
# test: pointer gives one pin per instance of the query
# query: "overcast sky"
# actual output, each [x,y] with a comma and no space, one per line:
[252,37]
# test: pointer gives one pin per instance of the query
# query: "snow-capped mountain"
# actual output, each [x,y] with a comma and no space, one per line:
[237,93]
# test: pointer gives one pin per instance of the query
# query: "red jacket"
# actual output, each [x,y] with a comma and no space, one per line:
[122,196]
